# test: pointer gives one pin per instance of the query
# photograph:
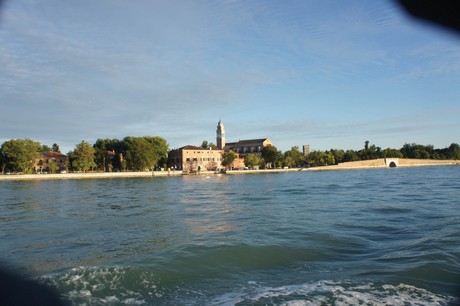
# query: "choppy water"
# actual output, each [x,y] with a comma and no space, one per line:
[383,236]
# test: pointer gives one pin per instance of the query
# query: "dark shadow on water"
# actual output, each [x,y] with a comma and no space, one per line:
[17,291]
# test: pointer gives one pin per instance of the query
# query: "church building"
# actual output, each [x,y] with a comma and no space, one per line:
[193,158]
[242,147]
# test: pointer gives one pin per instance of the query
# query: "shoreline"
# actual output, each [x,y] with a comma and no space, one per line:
[358,165]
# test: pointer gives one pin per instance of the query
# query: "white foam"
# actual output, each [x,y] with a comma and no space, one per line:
[334,293]
[110,299]
[105,285]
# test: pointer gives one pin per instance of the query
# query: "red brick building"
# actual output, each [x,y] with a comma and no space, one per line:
[191,158]
[51,161]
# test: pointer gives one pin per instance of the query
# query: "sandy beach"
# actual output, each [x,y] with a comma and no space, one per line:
[366,164]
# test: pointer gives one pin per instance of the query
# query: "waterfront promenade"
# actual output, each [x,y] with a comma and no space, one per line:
[365,164]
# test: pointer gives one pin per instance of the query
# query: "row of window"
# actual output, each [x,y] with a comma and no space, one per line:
[195,159]
[202,152]
[203,159]
[247,149]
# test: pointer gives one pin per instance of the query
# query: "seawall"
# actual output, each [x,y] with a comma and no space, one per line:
[366,164]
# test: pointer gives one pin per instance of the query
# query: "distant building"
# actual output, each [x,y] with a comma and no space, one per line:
[45,160]
[306,150]
[246,147]
[113,161]
[242,148]
[220,138]
[191,158]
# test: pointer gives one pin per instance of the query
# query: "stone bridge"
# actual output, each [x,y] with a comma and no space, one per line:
[392,162]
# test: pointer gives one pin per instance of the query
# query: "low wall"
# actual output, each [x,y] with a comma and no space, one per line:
[364,164]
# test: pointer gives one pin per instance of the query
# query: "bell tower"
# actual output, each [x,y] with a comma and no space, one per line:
[220,135]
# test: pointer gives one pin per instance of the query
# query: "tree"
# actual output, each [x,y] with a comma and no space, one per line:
[52,166]
[45,148]
[55,148]
[289,162]
[339,155]
[416,151]
[83,157]
[107,153]
[350,155]
[454,151]
[2,161]
[208,145]
[293,157]
[228,158]
[392,153]
[20,154]
[271,155]
[371,152]
[318,158]
[160,147]
[252,160]
[143,153]
[315,158]
[139,153]
[102,158]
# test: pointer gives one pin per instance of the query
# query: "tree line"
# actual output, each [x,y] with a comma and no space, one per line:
[130,153]
[150,152]
[272,157]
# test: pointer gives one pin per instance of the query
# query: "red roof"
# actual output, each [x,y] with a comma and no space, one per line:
[51,154]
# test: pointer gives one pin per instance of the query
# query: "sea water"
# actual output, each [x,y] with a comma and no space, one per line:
[373,237]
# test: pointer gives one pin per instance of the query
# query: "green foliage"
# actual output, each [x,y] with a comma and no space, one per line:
[271,156]
[339,155]
[371,152]
[350,155]
[83,157]
[417,151]
[293,158]
[20,154]
[453,151]
[252,160]
[102,147]
[392,153]
[45,148]
[318,158]
[145,153]
[228,158]
[55,148]
[52,166]
[289,162]
[208,145]
[142,153]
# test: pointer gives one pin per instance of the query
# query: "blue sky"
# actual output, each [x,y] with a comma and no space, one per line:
[331,74]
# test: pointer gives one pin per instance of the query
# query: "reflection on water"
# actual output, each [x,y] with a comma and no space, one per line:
[207,236]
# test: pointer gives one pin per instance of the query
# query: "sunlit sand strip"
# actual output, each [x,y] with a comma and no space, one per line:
[366,164]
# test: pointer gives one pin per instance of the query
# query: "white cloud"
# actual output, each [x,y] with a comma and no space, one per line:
[110,69]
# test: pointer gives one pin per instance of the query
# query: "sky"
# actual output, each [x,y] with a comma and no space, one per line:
[329,74]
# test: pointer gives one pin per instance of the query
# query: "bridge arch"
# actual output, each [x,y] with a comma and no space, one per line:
[392,162]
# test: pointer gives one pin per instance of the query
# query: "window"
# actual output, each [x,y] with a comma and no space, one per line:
[188,159]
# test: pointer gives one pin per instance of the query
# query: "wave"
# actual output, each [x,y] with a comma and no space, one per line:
[134,286]
[328,292]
